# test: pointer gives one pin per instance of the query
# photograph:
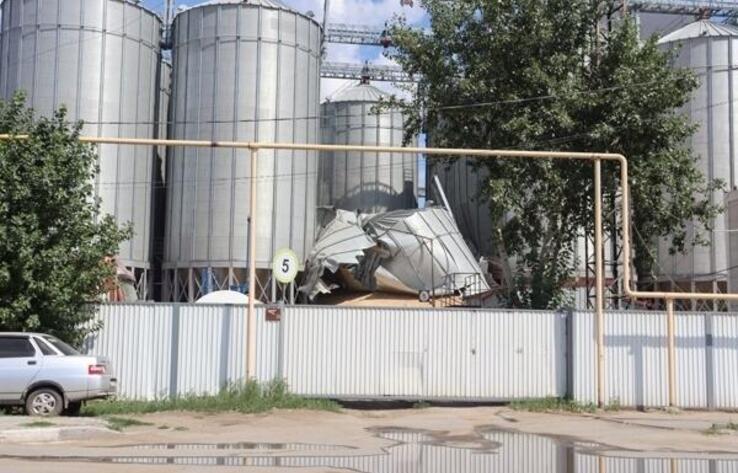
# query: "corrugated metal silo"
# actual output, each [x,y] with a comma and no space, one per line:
[371,182]
[99,58]
[462,182]
[248,71]
[708,49]
[731,210]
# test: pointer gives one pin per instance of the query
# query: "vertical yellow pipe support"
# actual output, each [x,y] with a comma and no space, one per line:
[599,285]
[671,365]
[251,315]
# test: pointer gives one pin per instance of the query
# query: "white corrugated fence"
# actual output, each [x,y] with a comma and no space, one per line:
[162,350]
[636,359]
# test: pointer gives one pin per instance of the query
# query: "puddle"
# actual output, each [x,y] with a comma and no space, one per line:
[416,451]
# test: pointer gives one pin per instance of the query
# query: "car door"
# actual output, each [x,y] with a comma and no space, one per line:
[19,365]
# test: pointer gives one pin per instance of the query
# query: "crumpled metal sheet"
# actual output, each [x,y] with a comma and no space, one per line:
[404,251]
[341,242]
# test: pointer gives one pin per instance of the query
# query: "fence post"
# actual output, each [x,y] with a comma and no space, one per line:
[174,352]
[225,343]
[569,352]
[280,343]
[709,363]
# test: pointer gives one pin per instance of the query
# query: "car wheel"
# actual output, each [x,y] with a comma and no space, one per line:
[44,402]
[73,409]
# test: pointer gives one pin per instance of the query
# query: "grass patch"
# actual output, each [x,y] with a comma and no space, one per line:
[163,427]
[613,405]
[251,397]
[552,404]
[120,423]
[720,429]
[180,429]
[421,405]
[715,429]
[39,423]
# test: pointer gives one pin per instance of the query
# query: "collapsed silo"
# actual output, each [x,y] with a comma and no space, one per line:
[370,182]
[246,71]
[708,49]
[100,59]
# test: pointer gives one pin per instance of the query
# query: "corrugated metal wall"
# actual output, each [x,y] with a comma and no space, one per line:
[453,354]
[171,349]
[590,463]
[636,363]
[161,350]
[437,354]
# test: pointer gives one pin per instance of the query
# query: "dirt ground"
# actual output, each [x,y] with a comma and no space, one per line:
[275,438]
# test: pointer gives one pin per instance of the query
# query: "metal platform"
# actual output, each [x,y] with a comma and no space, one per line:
[716,8]
[356,34]
[343,70]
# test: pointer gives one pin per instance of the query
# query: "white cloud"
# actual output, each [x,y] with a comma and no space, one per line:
[369,12]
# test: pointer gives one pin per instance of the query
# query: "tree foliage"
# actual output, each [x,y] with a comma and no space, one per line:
[53,242]
[546,74]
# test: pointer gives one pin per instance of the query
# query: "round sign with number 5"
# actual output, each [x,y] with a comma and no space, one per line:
[285,266]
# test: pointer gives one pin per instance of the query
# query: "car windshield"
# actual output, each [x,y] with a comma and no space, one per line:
[61,346]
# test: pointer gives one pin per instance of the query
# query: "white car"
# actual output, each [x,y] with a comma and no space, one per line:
[48,377]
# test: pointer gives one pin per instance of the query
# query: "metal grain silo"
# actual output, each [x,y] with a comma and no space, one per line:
[708,49]
[99,58]
[462,181]
[371,182]
[248,71]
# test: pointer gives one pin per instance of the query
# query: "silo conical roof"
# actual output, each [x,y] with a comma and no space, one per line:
[275,4]
[358,93]
[699,29]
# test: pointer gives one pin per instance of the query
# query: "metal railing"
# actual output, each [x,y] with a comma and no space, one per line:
[344,70]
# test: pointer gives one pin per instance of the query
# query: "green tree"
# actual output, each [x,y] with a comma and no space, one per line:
[53,243]
[538,74]
[639,117]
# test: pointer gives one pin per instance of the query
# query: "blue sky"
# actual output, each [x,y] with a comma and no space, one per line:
[370,12]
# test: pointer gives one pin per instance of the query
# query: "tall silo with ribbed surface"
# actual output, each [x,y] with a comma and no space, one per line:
[100,59]
[462,181]
[246,71]
[371,182]
[711,51]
